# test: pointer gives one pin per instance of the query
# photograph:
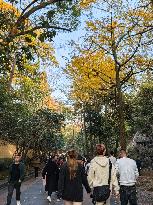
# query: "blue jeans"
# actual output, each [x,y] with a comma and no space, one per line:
[128,195]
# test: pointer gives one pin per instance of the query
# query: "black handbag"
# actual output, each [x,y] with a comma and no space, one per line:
[102,193]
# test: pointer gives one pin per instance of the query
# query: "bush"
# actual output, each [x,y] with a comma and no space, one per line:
[5,163]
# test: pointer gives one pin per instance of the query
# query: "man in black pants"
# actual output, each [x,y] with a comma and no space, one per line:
[16,176]
[128,174]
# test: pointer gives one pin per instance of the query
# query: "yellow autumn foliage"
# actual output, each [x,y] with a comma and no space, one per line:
[86,3]
[44,50]
[5,7]
[47,101]
[91,72]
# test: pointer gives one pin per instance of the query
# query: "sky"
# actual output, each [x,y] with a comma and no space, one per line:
[57,79]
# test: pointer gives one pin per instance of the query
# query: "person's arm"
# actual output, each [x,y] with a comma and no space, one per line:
[9,174]
[91,175]
[117,167]
[22,172]
[57,170]
[114,180]
[61,181]
[85,181]
[44,171]
[136,171]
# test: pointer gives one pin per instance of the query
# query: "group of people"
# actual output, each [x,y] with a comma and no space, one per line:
[101,177]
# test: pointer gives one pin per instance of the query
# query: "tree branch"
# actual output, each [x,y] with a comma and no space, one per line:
[125,34]
[29,5]
[131,73]
[133,54]
[113,43]
[127,77]
[142,32]
[41,27]
[33,10]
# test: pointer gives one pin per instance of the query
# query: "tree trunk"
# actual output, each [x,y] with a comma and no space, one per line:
[120,110]
[85,133]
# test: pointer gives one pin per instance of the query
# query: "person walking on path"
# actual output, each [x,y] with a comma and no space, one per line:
[51,173]
[102,174]
[128,174]
[112,158]
[71,180]
[36,164]
[15,178]
[138,163]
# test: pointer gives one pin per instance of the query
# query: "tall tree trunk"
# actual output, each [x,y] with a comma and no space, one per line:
[85,133]
[120,110]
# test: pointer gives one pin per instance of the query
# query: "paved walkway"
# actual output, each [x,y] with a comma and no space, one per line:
[33,194]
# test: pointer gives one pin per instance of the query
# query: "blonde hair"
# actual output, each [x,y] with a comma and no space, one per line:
[72,163]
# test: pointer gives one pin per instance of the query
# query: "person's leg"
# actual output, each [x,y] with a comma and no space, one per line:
[100,203]
[49,196]
[68,203]
[77,203]
[124,195]
[49,193]
[18,193]
[36,172]
[10,193]
[108,201]
[133,196]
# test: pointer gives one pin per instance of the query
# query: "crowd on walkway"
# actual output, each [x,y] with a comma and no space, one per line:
[66,175]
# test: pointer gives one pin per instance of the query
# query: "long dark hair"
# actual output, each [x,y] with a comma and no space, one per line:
[72,163]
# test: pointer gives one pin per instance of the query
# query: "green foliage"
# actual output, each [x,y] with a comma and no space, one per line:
[143,109]
[39,130]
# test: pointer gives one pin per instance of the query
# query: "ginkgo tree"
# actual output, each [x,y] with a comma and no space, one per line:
[25,53]
[122,33]
[24,28]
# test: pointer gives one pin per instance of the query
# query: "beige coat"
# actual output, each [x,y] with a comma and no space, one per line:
[99,173]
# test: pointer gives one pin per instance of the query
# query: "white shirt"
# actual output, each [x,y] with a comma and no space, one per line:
[127,169]
[113,160]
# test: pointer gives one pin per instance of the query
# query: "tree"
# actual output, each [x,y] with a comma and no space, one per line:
[24,43]
[142,109]
[39,131]
[128,48]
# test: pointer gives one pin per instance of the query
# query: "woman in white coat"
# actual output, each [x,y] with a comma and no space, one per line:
[98,174]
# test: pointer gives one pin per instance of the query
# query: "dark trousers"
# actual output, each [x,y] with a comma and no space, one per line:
[128,194]
[11,187]
[36,171]
[49,193]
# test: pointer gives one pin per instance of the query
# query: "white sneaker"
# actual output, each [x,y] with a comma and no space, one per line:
[58,200]
[18,203]
[49,198]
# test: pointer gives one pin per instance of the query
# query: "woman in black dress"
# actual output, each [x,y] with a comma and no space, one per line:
[51,171]
[71,180]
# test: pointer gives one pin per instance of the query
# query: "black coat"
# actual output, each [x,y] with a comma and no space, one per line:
[22,171]
[72,190]
[51,172]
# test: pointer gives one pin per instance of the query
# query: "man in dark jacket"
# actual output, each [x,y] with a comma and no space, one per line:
[15,178]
